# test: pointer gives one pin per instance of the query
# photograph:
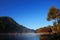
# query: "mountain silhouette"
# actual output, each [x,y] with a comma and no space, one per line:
[8,25]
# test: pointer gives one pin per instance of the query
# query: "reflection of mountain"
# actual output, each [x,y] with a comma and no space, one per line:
[8,25]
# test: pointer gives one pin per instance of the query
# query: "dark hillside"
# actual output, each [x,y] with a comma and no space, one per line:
[8,25]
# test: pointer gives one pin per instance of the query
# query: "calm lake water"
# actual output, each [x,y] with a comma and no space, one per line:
[28,36]
[23,36]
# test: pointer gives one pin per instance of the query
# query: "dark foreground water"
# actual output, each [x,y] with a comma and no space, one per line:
[24,36]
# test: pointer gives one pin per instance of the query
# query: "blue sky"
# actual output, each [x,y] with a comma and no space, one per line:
[29,13]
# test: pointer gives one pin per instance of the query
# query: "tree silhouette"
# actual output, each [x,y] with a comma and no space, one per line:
[53,14]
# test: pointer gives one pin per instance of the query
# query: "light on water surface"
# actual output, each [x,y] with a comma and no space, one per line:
[28,36]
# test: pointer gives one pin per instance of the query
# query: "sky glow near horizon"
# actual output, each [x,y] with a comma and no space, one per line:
[29,13]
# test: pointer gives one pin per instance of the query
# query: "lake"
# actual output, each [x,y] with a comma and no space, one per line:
[20,36]
[28,36]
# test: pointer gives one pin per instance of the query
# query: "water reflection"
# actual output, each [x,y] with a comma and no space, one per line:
[28,36]
[19,36]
